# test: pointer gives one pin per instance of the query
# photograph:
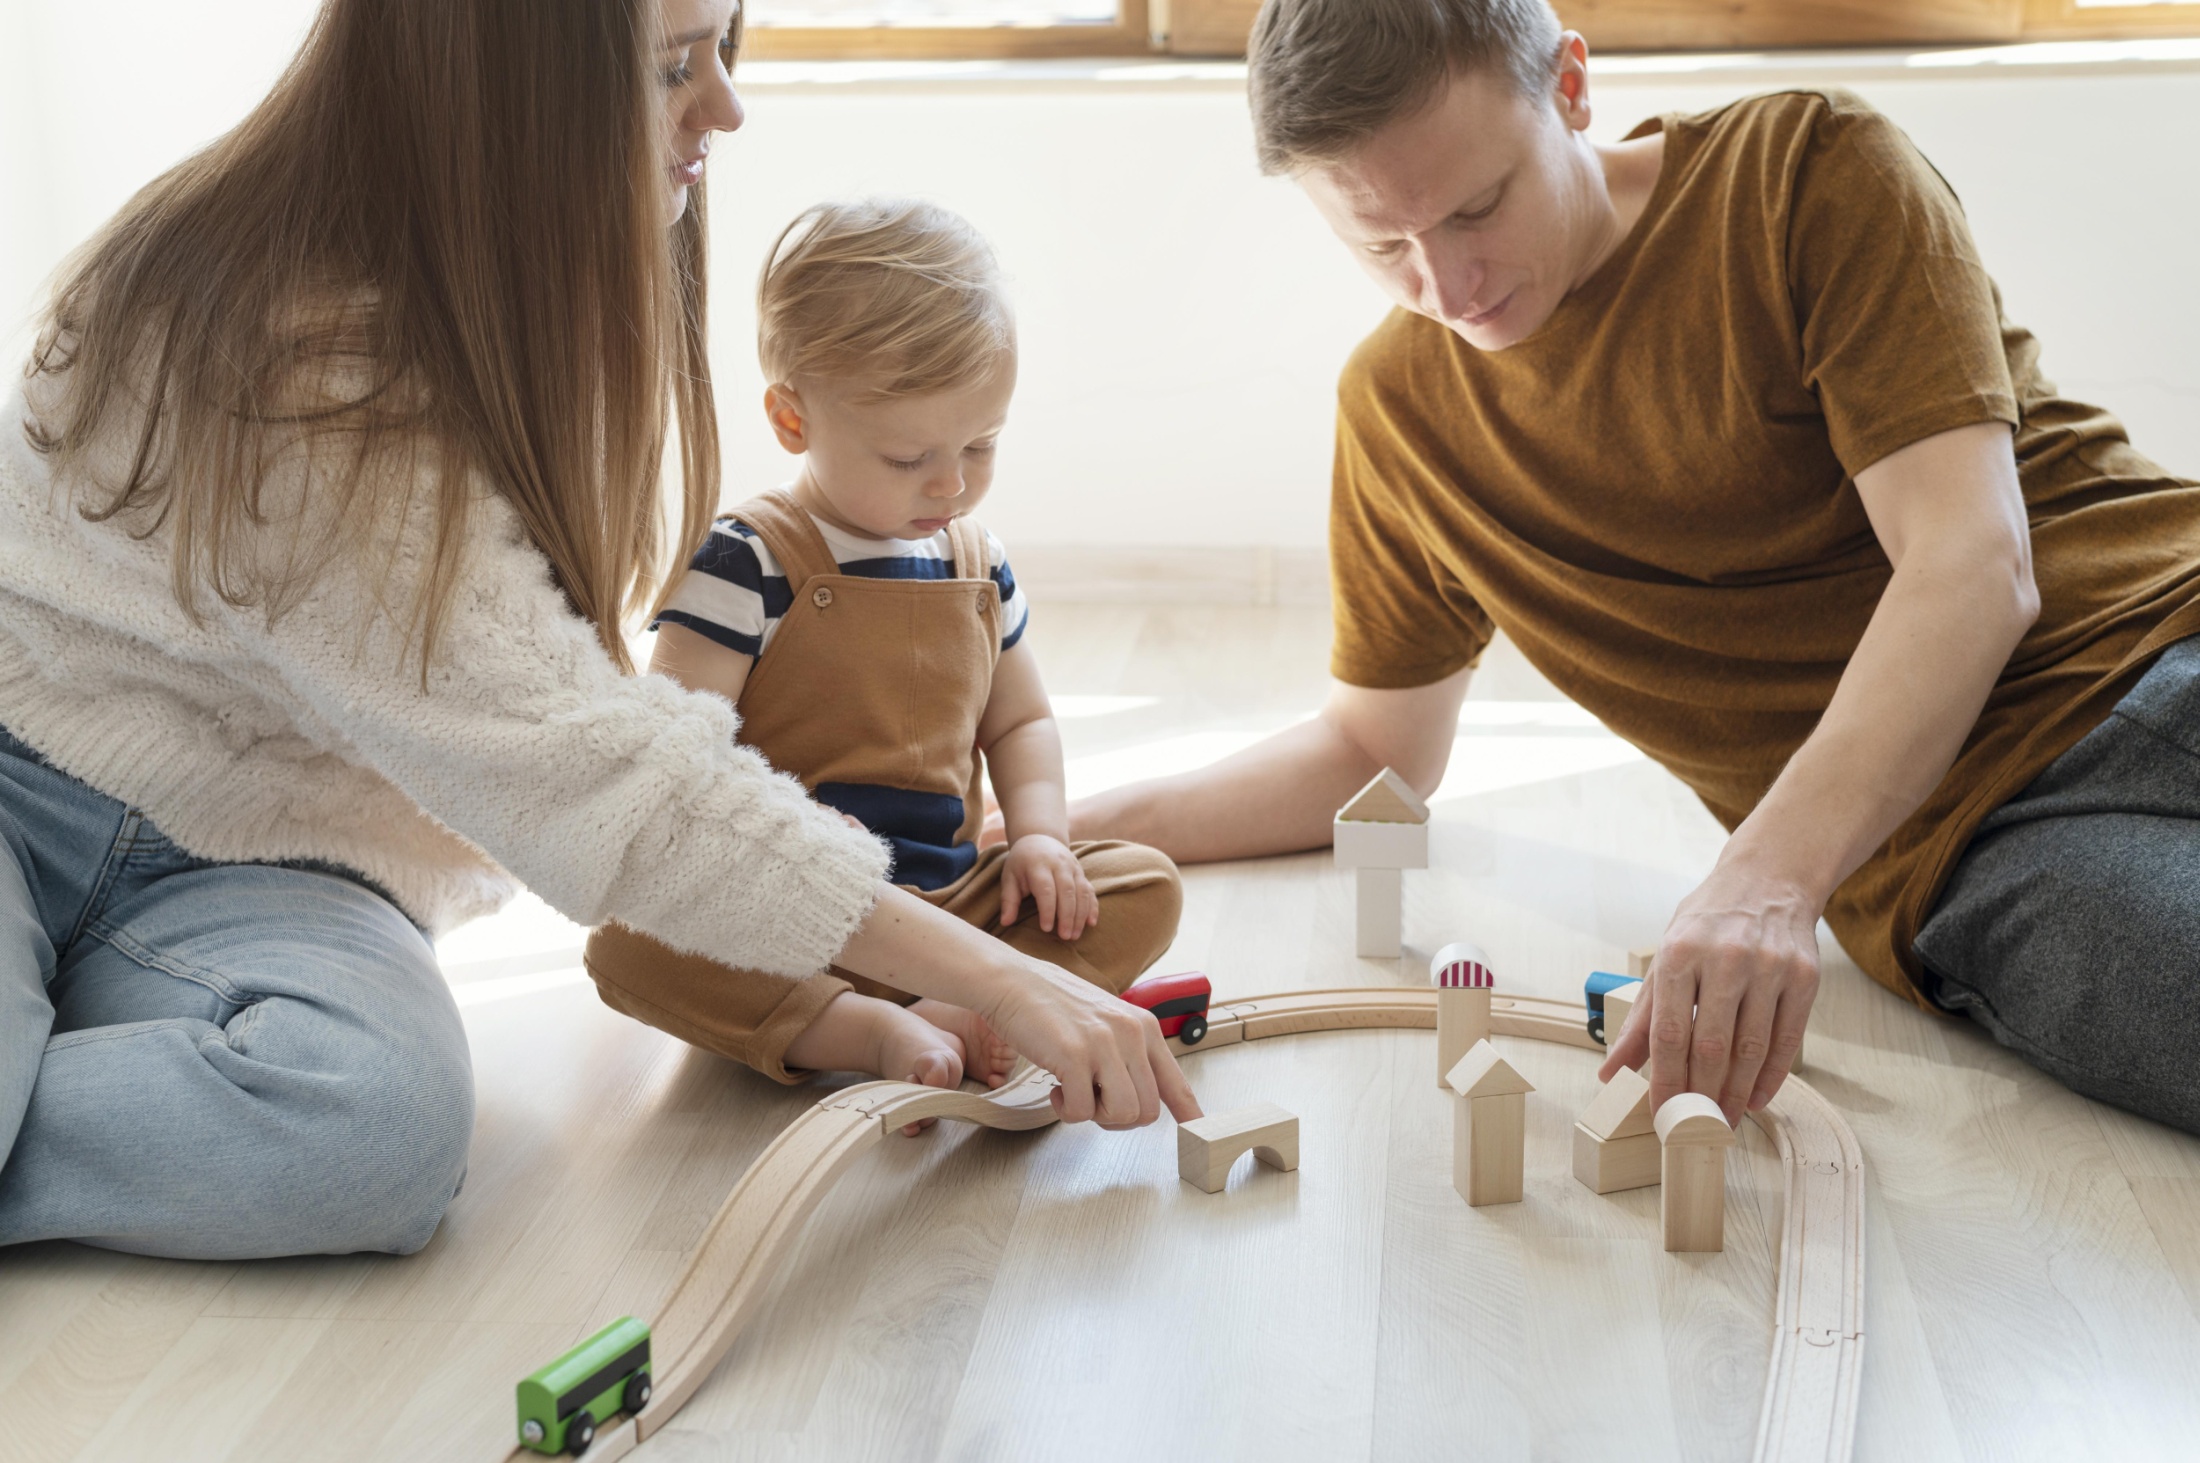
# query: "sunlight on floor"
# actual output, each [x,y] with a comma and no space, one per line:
[528,947]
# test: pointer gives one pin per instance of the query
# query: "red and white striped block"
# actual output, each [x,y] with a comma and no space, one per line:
[1461,966]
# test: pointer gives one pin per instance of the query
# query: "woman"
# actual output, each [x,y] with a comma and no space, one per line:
[335,473]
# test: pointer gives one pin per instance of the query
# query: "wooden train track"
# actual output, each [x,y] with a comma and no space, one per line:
[1810,1399]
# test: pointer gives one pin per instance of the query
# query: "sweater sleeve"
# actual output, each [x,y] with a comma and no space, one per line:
[611,796]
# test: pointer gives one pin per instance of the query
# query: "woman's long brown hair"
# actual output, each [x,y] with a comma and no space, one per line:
[454,210]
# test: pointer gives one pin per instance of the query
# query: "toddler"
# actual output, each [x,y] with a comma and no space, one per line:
[874,641]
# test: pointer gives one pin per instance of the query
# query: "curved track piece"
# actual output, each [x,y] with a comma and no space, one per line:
[1818,1329]
[1809,1411]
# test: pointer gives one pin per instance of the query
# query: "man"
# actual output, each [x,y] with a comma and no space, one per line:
[1721,424]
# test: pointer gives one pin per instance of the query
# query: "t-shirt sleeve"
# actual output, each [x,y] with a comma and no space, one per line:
[1015,609]
[731,590]
[1401,618]
[1899,322]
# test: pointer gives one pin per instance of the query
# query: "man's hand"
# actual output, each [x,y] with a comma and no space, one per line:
[1044,868]
[1742,956]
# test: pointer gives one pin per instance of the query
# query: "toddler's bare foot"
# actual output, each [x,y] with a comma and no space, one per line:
[912,1049]
[864,1034]
[986,1058]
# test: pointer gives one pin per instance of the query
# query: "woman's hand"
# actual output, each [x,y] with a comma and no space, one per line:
[1114,1066]
[1741,959]
[1044,868]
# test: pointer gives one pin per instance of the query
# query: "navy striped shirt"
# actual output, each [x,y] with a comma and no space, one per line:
[735,592]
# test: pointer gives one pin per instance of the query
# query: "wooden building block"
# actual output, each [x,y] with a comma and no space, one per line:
[1616,1006]
[1621,1108]
[1489,1148]
[1379,845]
[1463,980]
[1462,1019]
[1388,799]
[1692,1201]
[1639,963]
[1207,1147]
[1609,1165]
[1616,1142]
[1489,1128]
[1378,927]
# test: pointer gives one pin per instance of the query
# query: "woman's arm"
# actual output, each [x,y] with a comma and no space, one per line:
[1114,1066]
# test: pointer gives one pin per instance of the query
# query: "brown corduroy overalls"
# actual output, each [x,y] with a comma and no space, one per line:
[870,691]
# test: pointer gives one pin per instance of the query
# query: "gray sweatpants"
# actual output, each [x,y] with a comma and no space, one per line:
[2070,929]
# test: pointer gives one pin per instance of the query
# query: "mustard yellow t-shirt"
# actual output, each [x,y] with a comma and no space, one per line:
[1654,495]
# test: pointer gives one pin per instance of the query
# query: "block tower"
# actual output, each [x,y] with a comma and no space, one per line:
[1463,980]
[1383,830]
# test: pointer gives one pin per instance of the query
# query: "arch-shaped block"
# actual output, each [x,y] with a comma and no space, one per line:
[1207,1147]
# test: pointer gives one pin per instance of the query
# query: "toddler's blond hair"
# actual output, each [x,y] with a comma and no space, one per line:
[900,295]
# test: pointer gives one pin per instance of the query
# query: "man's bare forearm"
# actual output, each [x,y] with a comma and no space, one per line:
[1276,796]
[1912,692]
[1280,795]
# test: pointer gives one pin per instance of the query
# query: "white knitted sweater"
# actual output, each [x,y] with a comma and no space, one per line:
[528,757]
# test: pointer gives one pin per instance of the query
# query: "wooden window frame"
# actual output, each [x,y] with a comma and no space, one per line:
[2065,20]
[1128,36]
[1217,27]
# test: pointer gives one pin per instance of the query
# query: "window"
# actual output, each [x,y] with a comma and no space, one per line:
[946,28]
[940,29]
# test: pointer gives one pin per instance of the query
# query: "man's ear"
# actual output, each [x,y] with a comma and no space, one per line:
[790,424]
[1572,81]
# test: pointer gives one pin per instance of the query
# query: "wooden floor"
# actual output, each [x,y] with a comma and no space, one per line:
[2034,1261]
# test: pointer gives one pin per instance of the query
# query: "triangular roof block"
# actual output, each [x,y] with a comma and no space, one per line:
[1621,1108]
[1483,1073]
[1385,800]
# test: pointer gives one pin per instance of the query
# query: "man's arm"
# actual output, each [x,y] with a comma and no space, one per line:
[1742,950]
[1280,795]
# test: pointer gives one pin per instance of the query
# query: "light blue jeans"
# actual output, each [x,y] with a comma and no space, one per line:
[215,1061]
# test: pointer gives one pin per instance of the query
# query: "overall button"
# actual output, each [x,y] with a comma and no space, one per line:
[981,601]
[822,598]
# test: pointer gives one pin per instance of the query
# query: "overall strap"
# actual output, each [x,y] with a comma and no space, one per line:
[788,531]
[968,541]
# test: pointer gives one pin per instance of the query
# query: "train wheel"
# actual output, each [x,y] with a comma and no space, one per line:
[1596,1027]
[1193,1031]
[636,1394]
[580,1432]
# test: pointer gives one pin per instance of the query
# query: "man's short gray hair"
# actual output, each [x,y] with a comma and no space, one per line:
[1328,74]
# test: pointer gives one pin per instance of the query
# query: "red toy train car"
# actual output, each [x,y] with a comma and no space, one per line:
[1180,1001]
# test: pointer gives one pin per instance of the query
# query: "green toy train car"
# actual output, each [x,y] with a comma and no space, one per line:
[562,1405]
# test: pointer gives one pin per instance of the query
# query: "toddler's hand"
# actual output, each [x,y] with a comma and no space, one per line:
[1044,868]
[853,821]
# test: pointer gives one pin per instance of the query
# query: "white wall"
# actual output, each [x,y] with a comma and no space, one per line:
[1183,319]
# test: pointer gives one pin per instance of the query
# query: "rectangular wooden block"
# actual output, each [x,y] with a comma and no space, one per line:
[1379,845]
[1616,1006]
[1692,1201]
[1612,1165]
[1462,1019]
[1489,1148]
[1378,924]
